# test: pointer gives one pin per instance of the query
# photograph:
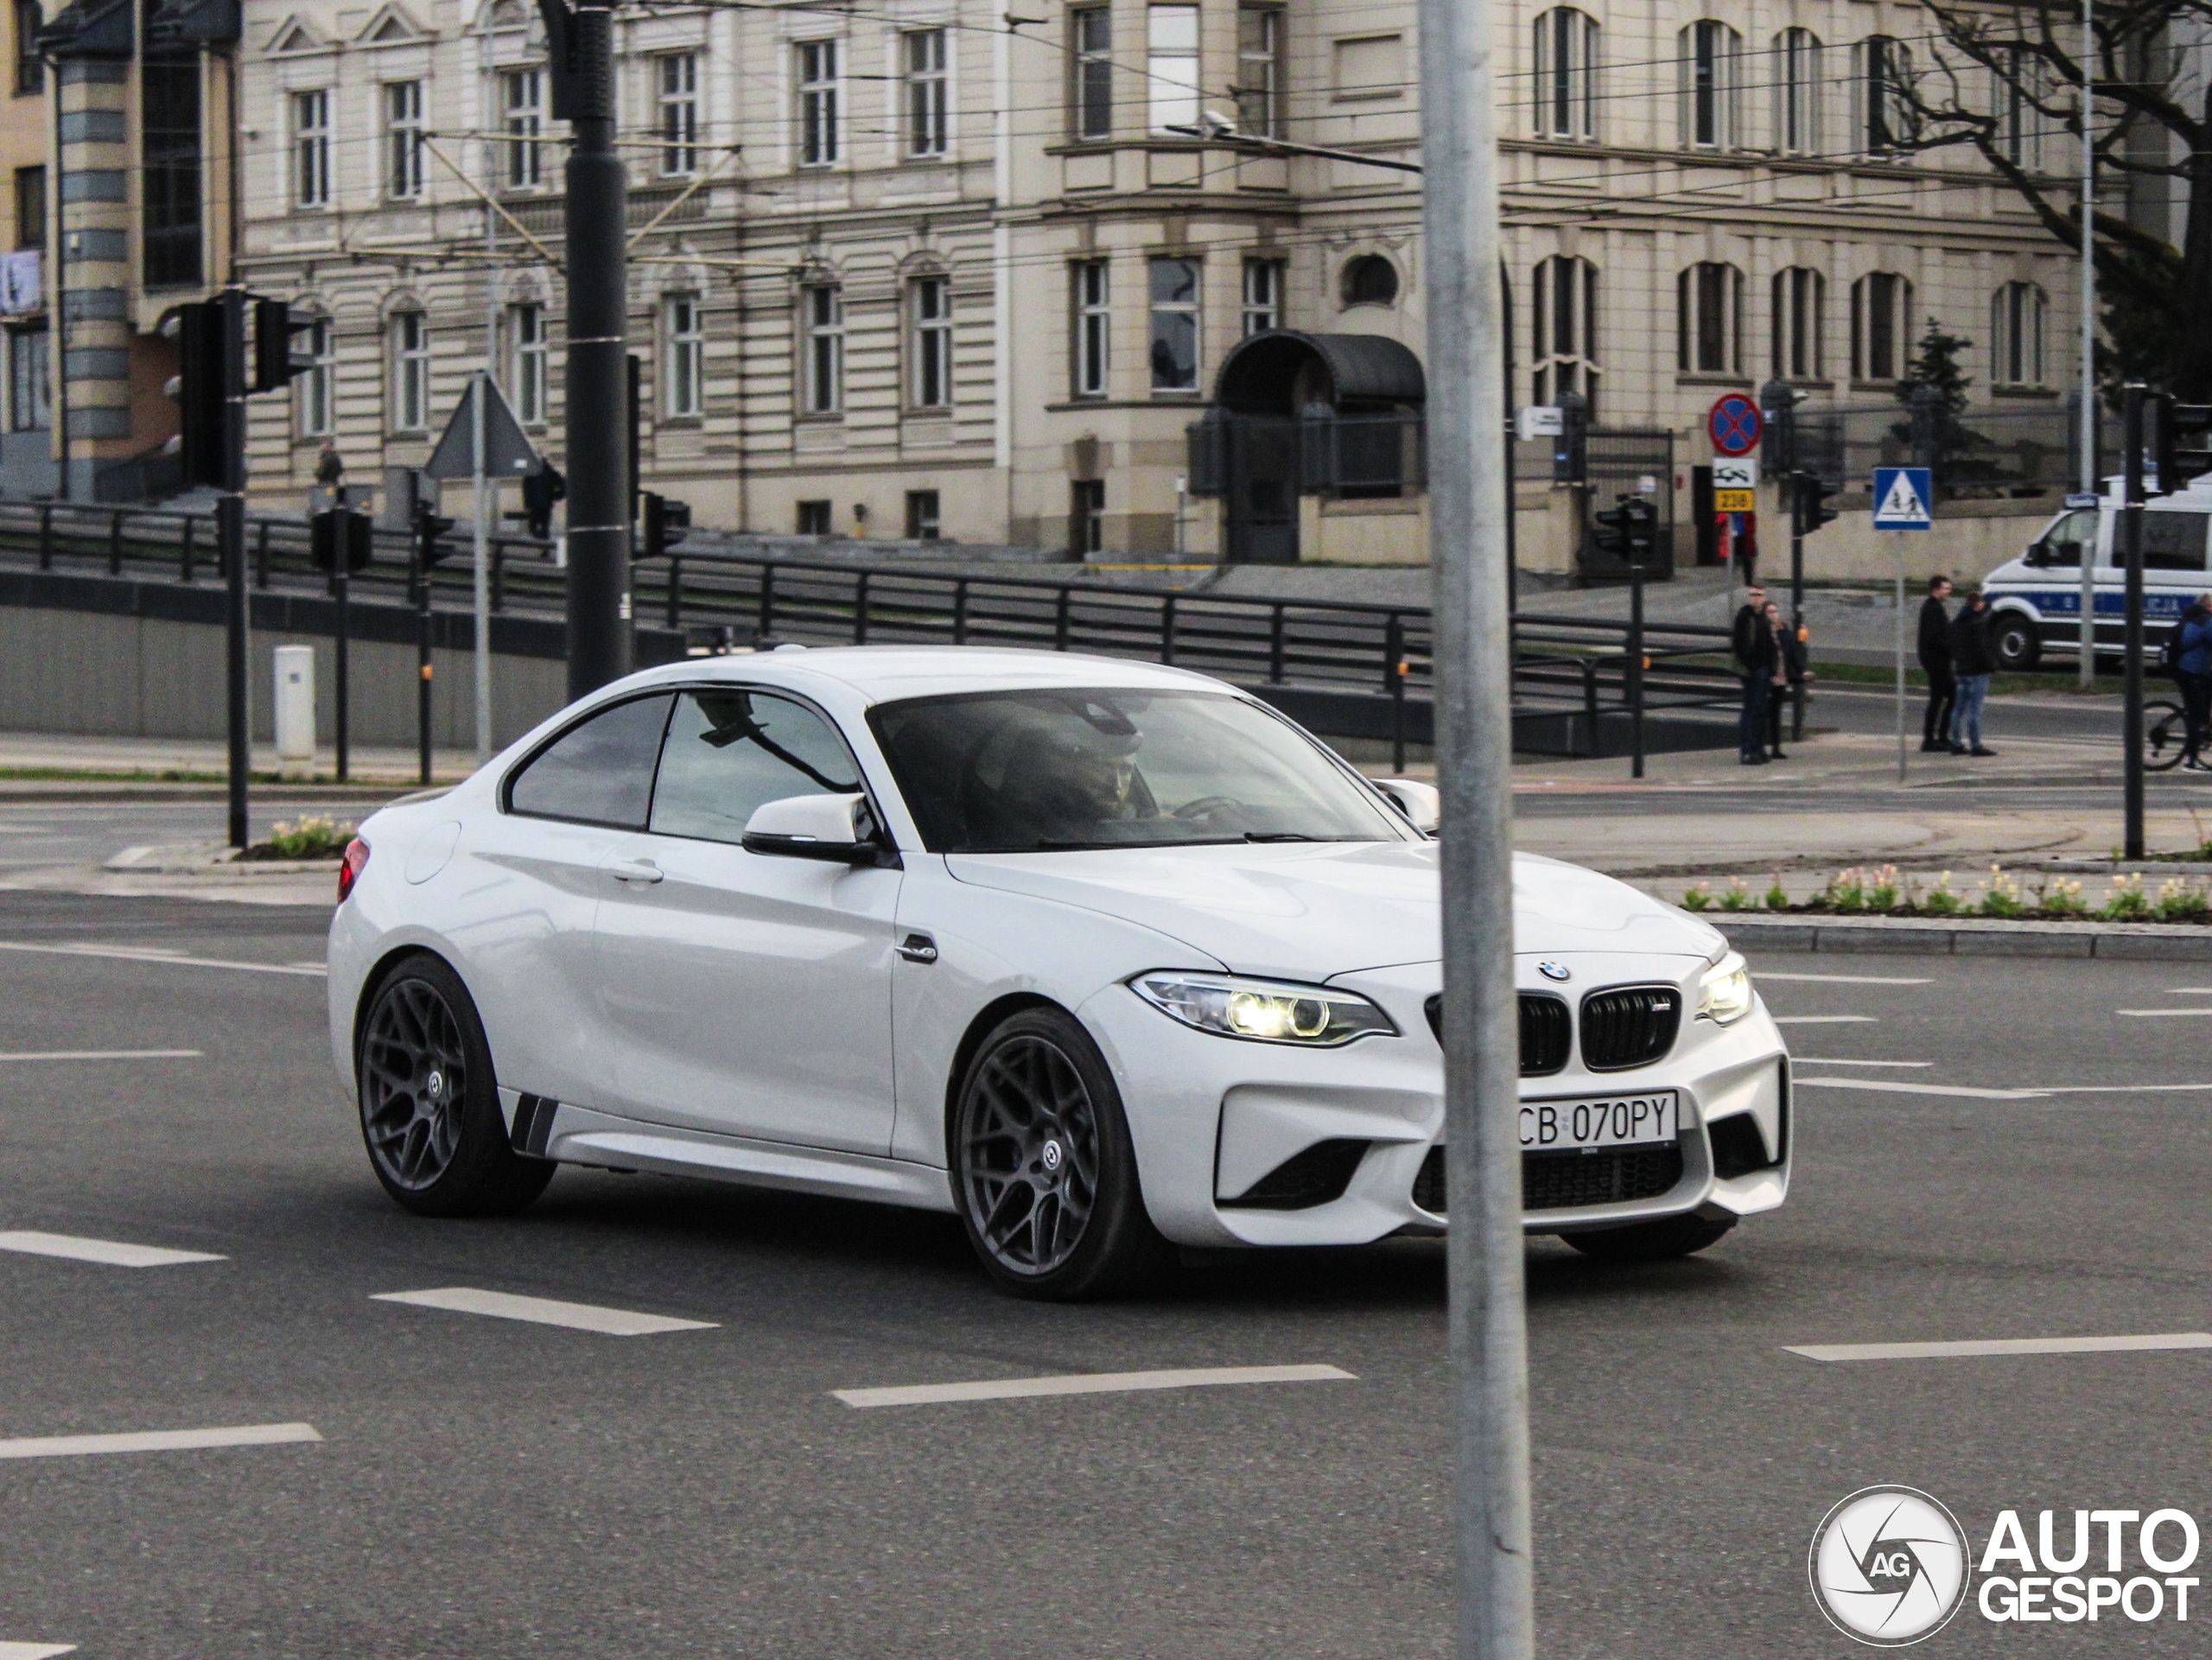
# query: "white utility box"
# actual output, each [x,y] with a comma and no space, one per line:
[295,710]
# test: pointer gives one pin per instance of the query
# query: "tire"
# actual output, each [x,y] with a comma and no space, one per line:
[1651,1241]
[2014,643]
[1042,1169]
[2165,735]
[439,1148]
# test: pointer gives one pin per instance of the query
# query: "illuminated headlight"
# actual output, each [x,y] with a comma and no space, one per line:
[1265,1011]
[1725,993]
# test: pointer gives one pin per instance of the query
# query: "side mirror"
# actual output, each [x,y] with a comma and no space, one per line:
[2039,553]
[1419,804]
[837,828]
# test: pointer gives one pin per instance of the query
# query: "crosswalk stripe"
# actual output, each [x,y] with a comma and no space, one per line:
[35,1650]
[2008,1345]
[544,1311]
[112,1252]
[1008,1388]
[157,1441]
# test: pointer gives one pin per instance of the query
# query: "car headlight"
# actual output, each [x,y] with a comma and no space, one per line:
[1263,1011]
[1724,994]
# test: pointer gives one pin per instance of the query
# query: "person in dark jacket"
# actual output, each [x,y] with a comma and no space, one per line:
[1752,645]
[1791,674]
[2193,673]
[540,490]
[1936,664]
[1973,663]
[329,465]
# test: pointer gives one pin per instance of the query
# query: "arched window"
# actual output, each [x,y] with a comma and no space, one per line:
[1709,319]
[1370,279]
[1800,324]
[1796,77]
[1563,335]
[1881,326]
[2016,329]
[1881,79]
[1709,79]
[1566,100]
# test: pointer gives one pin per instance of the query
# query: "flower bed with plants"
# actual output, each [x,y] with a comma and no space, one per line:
[1884,892]
[302,840]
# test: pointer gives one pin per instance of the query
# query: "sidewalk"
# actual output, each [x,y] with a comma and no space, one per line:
[196,761]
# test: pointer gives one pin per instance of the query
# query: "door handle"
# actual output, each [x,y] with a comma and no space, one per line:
[635,870]
[918,948]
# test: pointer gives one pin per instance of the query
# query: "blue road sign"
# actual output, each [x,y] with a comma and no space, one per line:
[1902,496]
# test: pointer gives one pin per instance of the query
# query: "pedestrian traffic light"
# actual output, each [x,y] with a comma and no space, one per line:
[1639,530]
[197,386]
[666,521]
[1610,533]
[341,527]
[1810,508]
[1571,448]
[274,365]
[429,527]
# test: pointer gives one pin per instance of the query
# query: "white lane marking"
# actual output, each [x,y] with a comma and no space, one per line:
[2004,1345]
[146,954]
[112,1252]
[35,1650]
[1845,979]
[1824,1019]
[100,1055]
[157,1441]
[2188,991]
[2166,1014]
[1107,1382]
[543,1311]
[1829,1060]
[1885,1086]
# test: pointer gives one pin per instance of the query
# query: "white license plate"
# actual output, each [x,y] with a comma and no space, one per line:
[1609,1121]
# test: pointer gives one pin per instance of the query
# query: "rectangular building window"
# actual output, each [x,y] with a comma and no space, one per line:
[403,124]
[30,207]
[2016,325]
[168,91]
[1175,324]
[311,387]
[1171,66]
[822,310]
[522,94]
[932,347]
[30,393]
[818,103]
[922,516]
[1092,326]
[677,78]
[30,68]
[1086,516]
[311,148]
[814,518]
[686,357]
[528,367]
[1797,92]
[1709,319]
[1091,91]
[1881,90]
[1262,295]
[1259,70]
[928,106]
[1799,298]
[410,372]
[1881,321]
[2021,78]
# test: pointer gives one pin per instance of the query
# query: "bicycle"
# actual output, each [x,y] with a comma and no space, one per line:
[2165,735]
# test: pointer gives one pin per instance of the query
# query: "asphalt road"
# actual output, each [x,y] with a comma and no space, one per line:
[488,1488]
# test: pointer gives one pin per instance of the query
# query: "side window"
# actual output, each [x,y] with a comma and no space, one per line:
[2062,542]
[599,773]
[2174,541]
[728,752]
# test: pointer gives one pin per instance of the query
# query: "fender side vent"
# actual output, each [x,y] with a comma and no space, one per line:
[1316,1176]
[533,1125]
[1738,1148]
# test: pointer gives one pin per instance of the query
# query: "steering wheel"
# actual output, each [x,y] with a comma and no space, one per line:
[1205,805]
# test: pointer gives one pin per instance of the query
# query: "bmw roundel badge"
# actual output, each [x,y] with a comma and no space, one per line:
[1554,970]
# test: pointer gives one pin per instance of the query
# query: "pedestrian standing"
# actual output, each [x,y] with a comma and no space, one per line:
[330,467]
[2193,673]
[1790,674]
[1972,663]
[1751,645]
[1936,664]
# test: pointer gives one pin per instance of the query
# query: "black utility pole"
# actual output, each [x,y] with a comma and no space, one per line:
[1796,484]
[581,43]
[2131,533]
[230,544]
[340,582]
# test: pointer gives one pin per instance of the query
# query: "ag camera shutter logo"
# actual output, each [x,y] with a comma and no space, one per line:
[1888,1566]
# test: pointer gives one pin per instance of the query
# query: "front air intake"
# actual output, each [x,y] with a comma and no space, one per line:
[1316,1176]
[1631,1026]
[1559,1181]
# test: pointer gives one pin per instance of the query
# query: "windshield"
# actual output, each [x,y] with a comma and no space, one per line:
[1026,772]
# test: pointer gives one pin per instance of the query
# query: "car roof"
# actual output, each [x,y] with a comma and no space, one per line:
[886,673]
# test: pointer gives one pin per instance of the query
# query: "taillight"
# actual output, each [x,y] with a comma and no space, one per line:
[349,871]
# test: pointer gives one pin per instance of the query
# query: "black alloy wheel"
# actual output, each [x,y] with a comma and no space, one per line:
[430,1103]
[1044,1171]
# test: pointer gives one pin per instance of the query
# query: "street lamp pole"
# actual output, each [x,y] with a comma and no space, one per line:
[2088,435]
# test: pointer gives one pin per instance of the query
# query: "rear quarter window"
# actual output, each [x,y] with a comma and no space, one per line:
[599,771]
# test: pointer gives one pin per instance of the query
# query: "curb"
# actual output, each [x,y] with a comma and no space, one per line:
[1933,937]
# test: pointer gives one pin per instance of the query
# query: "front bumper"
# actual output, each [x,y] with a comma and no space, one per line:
[1214,1118]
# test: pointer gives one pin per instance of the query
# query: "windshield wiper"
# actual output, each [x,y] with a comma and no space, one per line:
[1284,835]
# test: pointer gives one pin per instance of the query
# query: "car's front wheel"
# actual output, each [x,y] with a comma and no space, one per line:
[1651,1241]
[1043,1168]
[430,1102]
[2015,645]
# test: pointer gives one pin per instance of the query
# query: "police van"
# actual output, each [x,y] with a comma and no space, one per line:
[2034,601]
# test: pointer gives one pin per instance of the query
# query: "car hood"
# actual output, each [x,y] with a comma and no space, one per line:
[1310,911]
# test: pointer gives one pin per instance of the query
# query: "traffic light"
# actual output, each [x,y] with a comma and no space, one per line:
[197,386]
[1610,533]
[1810,508]
[341,527]
[666,520]
[1639,530]
[274,365]
[1571,448]
[429,527]
[2174,462]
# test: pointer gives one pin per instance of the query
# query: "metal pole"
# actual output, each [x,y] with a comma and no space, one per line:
[1897,538]
[2131,526]
[2089,480]
[344,581]
[1487,1321]
[422,665]
[479,576]
[230,536]
[1635,669]
[1798,491]
[599,484]
[480,580]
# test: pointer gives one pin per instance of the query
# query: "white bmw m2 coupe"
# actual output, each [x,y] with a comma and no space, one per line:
[1105,958]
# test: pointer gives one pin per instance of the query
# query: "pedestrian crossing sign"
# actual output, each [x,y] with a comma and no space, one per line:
[1901,495]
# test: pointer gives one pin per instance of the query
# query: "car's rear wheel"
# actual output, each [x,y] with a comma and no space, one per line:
[430,1102]
[1651,1242]
[1043,1168]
